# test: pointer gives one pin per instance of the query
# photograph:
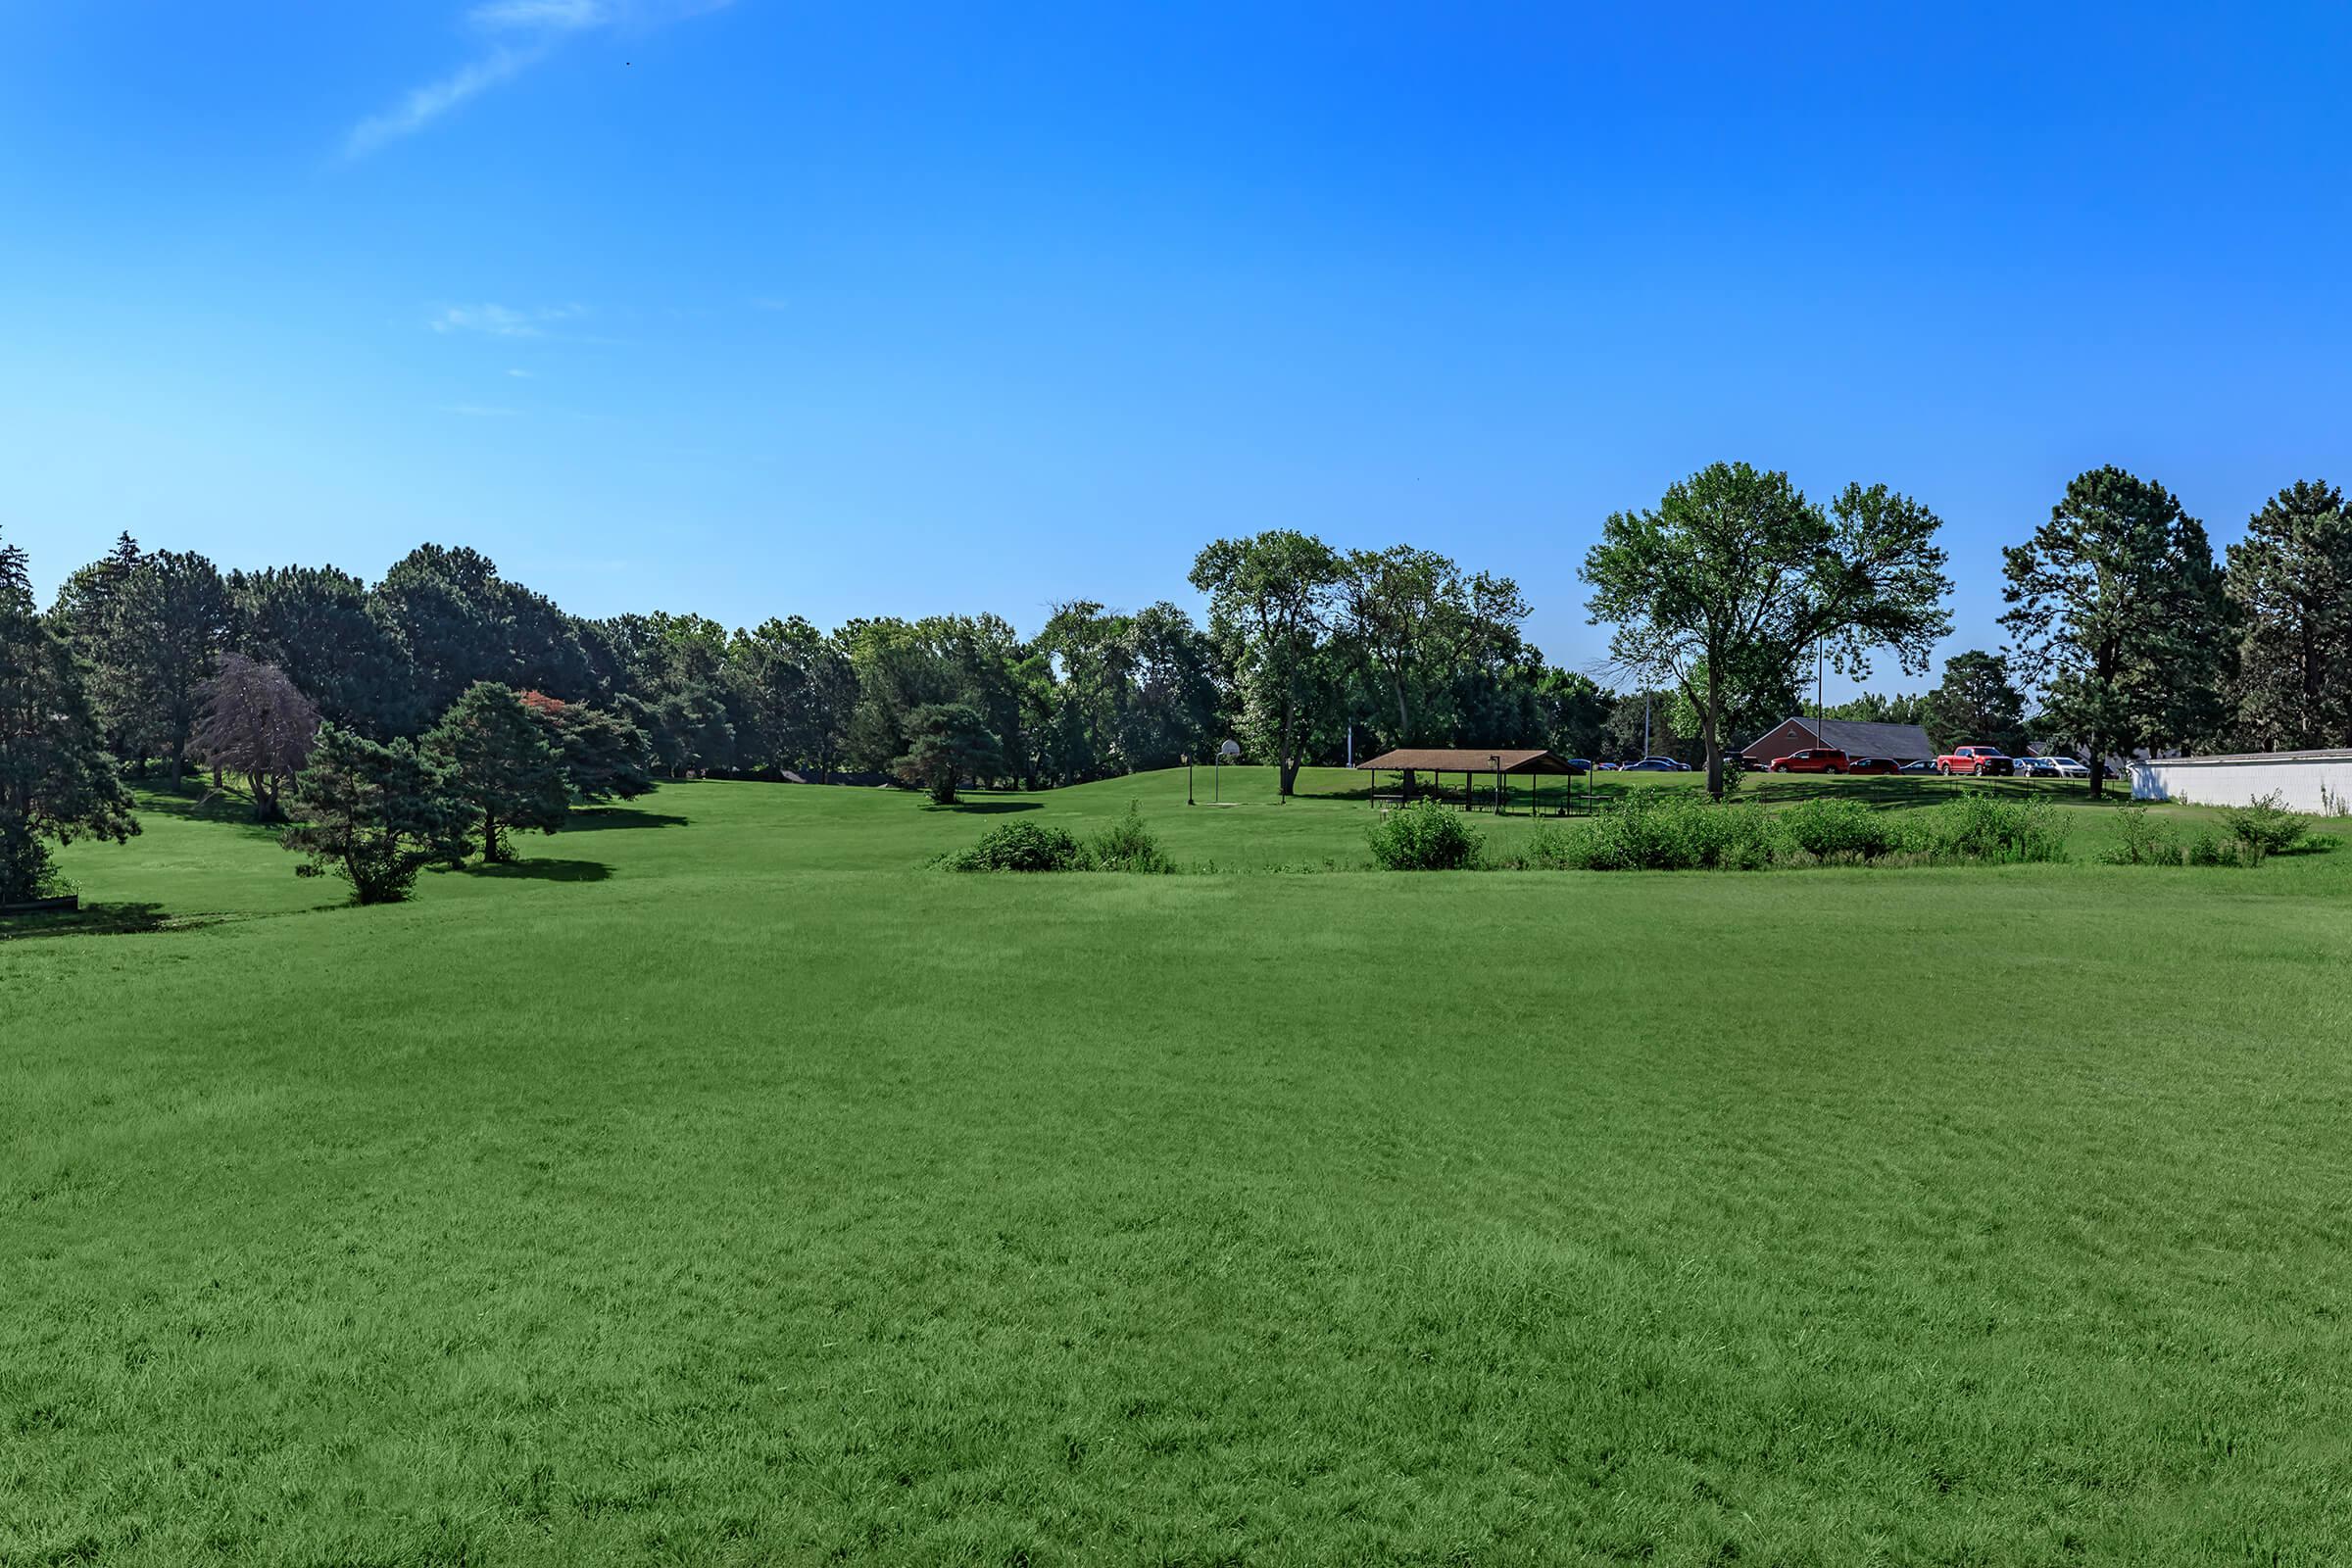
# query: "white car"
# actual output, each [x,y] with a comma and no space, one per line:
[2067,766]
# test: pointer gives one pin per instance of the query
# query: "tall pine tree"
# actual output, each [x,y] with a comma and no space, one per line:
[56,781]
[2116,606]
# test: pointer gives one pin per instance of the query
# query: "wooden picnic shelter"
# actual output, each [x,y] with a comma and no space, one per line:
[1500,761]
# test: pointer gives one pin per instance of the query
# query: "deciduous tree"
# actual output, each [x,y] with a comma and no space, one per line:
[1723,591]
[1268,597]
[255,724]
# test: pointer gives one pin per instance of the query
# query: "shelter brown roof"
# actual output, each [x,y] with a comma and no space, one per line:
[1467,759]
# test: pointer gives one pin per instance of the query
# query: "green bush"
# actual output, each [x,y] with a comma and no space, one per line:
[1841,830]
[2207,850]
[1552,847]
[1018,847]
[1981,828]
[1658,830]
[2264,828]
[1425,837]
[2141,840]
[1126,846]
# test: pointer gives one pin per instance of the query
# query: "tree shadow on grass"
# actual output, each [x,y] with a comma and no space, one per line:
[544,870]
[983,807]
[608,818]
[90,920]
[227,809]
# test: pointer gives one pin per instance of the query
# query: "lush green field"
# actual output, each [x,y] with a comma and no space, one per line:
[720,1185]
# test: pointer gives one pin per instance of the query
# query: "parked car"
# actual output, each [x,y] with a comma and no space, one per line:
[1975,762]
[1657,765]
[1923,766]
[1874,764]
[1608,768]
[1578,765]
[1812,759]
[2069,767]
[2036,768]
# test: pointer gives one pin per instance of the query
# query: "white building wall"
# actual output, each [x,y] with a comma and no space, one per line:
[2307,781]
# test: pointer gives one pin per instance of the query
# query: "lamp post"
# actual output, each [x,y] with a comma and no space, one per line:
[1188,778]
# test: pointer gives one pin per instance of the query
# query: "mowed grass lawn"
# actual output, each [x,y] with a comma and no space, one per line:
[724,1186]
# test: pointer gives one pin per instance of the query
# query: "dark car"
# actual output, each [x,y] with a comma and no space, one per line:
[1874,764]
[1657,765]
[1923,766]
[1578,765]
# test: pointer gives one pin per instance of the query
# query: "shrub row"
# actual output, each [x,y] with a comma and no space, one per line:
[1124,845]
[2251,835]
[1659,831]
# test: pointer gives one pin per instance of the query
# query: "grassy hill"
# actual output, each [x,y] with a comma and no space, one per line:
[721,1185]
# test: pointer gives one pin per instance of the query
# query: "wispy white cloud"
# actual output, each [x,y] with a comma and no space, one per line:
[528,31]
[428,103]
[500,320]
[520,375]
[567,16]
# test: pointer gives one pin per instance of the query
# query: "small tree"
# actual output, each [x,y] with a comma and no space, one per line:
[254,724]
[945,742]
[500,764]
[605,756]
[56,780]
[374,814]
[1976,704]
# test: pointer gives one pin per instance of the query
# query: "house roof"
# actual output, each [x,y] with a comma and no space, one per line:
[1904,743]
[1467,759]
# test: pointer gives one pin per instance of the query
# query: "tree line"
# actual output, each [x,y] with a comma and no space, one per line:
[2125,632]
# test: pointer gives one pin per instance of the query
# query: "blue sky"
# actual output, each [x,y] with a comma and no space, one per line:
[863,308]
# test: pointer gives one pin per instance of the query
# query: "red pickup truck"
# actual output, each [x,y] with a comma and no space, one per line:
[1816,760]
[1975,760]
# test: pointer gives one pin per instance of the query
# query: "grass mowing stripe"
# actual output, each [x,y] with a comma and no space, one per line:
[774,1199]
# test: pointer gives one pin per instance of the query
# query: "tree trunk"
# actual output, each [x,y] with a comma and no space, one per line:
[1706,734]
[492,850]
[1286,770]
